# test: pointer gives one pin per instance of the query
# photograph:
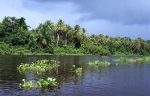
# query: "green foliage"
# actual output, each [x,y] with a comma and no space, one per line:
[139,59]
[41,83]
[142,59]
[124,59]
[60,38]
[50,82]
[21,38]
[27,84]
[39,67]
[4,49]
[67,50]
[96,50]
[78,71]
[99,64]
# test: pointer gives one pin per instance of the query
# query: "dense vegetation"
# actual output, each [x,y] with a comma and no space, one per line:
[60,38]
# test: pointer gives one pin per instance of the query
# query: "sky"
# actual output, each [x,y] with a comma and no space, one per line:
[123,18]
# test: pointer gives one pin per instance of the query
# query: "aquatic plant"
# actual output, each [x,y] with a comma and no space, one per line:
[41,83]
[27,84]
[39,66]
[104,56]
[50,82]
[78,70]
[124,59]
[139,59]
[99,63]
[142,59]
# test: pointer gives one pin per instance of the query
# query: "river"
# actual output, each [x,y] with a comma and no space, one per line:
[117,80]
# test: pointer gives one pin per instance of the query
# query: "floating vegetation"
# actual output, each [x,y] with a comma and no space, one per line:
[41,83]
[99,63]
[39,66]
[78,71]
[50,82]
[124,59]
[27,84]
[104,56]
[142,59]
[139,59]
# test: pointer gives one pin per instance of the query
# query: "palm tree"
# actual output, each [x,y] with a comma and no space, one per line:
[78,36]
[136,45]
[59,30]
[6,25]
[44,33]
[118,41]
[22,23]
[1,30]
[102,39]
[69,34]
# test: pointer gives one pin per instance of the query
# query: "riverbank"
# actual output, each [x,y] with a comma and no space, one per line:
[6,49]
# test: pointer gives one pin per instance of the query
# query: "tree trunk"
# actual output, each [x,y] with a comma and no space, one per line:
[57,40]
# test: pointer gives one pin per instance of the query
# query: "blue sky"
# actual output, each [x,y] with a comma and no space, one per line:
[124,18]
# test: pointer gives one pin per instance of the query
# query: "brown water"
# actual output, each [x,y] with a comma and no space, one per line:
[117,80]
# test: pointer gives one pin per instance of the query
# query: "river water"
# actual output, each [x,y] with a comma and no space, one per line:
[117,80]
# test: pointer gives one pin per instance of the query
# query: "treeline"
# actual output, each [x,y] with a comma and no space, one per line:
[61,38]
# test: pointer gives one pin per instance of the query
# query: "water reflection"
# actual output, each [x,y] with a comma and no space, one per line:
[117,80]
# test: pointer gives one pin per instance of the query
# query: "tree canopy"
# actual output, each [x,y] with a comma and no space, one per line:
[58,37]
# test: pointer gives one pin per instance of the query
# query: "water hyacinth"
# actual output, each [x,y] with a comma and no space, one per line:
[27,84]
[50,82]
[39,66]
[142,59]
[99,63]
[139,59]
[78,71]
[124,59]
[41,83]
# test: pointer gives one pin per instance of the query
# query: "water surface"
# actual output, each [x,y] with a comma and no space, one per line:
[117,80]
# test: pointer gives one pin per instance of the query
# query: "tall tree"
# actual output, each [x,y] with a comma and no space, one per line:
[78,36]
[45,33]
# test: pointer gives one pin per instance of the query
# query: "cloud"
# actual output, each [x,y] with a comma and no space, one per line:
[125,18]
[123,11]
[117,30]
[36,12]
